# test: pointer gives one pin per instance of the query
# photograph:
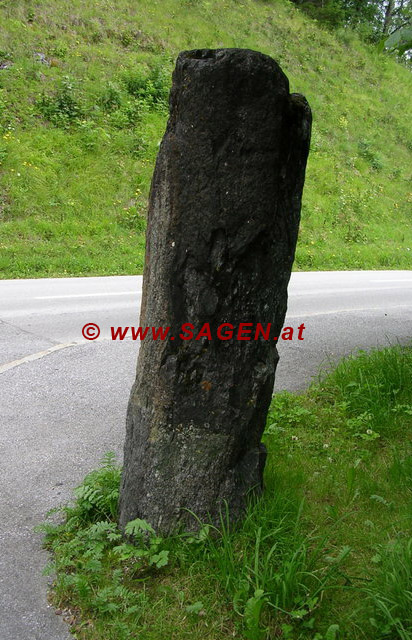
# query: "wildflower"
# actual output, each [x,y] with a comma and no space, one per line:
[369,432]
[326,446]
[294,438]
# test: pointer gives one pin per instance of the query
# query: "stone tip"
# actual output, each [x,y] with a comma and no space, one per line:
[229,66]
[217,55]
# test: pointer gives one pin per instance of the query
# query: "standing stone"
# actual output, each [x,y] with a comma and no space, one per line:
[222,227]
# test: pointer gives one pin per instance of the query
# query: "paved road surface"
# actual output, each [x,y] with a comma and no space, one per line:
[63,399]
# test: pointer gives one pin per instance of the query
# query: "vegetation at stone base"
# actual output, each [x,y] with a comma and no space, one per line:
[325,554]
[83,95]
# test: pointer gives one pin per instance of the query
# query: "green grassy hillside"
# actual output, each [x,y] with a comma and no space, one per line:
[83,106]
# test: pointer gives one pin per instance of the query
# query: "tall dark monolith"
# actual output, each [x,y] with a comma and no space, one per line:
[222,227]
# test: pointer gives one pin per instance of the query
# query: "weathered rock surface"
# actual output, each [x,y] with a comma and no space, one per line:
[222,227]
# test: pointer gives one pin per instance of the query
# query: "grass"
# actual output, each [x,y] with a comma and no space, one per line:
[325,554]
[83,95]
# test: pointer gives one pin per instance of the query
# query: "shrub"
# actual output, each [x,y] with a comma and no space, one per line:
[62,109]
[111,98]
[153,88]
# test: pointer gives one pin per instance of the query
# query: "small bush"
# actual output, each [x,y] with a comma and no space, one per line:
[153,87]
[63,108]
[128,115]
[111,98]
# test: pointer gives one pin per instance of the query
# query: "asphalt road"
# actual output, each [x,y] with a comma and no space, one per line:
[63,399]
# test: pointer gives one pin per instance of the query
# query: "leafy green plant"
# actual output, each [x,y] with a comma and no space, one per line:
[111,97]
[92,562]
[153,87]
[252,615]
[62,108]
[195,608]
[97,496]
[146,547]
[287,412]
